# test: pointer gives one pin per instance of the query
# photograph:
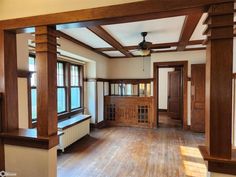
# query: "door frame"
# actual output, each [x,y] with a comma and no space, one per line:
[156,67]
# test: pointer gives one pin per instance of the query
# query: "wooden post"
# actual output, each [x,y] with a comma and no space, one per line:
[219,68]
[46,60]
[8,86]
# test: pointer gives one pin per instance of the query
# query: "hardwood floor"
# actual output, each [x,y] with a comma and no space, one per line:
[166,121]
[134,152]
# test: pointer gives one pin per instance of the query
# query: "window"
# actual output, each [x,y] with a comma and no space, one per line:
[32,68]
[61,89]
[69,88]
[75,88]
[130,89]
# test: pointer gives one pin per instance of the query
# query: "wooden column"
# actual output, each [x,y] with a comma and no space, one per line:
[46,60]
[219,65]
[8,87]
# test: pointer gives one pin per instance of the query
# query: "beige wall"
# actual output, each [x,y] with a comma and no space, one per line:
[163,87]
[31,162]
[130,68]
[16,9]
[96,66]
[193,57]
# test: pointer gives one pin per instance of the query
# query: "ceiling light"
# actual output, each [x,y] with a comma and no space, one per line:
[144,52]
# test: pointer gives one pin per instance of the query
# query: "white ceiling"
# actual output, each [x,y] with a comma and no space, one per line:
[194,46]
[197,34]
[114,53]
[159,31]
[86,36]
[171,48]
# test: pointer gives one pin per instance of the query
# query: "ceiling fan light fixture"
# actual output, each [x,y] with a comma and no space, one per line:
[144,52]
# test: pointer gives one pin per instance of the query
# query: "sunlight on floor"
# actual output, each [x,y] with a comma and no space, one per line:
[190,151]
[196,166]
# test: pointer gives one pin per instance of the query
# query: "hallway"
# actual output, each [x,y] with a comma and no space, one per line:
[134,152]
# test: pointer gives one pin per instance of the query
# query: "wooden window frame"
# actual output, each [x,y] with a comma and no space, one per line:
[67,85]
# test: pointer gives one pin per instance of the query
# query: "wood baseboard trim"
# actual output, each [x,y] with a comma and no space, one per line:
[101,124]
[162,110]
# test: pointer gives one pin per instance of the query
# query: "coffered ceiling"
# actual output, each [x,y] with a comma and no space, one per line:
[120,40]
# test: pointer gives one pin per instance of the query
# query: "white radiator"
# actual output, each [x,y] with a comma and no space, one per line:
[73,133]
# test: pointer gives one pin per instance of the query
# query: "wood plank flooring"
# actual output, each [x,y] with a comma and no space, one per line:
[134,152]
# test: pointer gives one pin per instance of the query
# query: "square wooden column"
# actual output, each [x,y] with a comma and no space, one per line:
[8,87]
[219,67]
[46,64]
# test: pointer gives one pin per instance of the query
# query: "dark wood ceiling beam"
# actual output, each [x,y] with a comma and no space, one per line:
[109,12]
[189,26]
[99,31]
[65,36]
[154,46]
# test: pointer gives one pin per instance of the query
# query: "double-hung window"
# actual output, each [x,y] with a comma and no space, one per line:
[69,88]
[33,91]
[61,88]
[75,87]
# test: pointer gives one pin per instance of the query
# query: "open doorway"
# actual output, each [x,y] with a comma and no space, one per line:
[170,96]
[171,93]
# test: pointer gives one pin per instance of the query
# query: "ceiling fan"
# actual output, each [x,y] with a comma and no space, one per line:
[145,47]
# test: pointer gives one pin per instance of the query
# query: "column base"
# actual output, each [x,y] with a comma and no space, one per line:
[219,165]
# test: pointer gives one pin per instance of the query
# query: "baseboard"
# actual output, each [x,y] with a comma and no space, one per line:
[98,125]
[162,110]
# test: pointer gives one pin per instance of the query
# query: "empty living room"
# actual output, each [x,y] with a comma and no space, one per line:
[118,88]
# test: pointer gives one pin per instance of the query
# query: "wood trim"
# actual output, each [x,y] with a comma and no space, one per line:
[153,46]
[2,156]
[189,26]
[138,80]
[29,138]
[8,77]
[189,49]
[220,165]
[99,125]
[62,125]
[102,33]
[46,61]
[110,13]
[162,110]
[24,73]
[156,67]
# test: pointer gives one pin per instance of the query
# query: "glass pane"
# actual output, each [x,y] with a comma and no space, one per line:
[60,74]
[34,103]
[141,89]
[32,65]
[112,89]
[128,89]
[33,80]
[61,100]
[148,91]
[75,97]
[74,74]
[117,88]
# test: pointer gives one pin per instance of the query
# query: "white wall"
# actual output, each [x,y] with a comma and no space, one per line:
[163,87]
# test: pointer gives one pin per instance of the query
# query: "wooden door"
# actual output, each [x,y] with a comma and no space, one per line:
[174,94]
[198,97]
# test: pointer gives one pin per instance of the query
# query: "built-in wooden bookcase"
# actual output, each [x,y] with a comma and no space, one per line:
[129,103]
